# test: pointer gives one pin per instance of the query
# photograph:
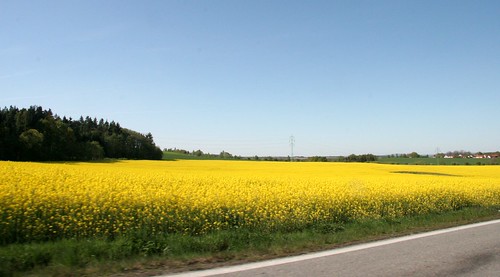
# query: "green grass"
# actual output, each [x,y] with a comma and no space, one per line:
[172,156]
[141,253]
[440,161]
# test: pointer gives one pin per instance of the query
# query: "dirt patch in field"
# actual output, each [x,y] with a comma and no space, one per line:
[425,173]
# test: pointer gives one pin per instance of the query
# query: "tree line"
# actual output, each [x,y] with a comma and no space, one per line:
[35,134]
[198,153]
[358,158]
[351,158]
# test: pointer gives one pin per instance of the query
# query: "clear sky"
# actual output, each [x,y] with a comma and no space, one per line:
[342,77]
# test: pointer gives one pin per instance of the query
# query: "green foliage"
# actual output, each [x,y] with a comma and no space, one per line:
[413,155]
[181,154]
[35,134]
[31,141]
[317,159]
[76,255]
[225,155]
[358,158]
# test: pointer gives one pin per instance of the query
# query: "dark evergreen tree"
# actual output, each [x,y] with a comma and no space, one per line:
[37,134]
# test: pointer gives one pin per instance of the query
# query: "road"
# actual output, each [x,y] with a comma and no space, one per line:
[470,250]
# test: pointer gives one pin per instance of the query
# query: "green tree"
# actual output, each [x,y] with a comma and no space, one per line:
[225,155]
[94,151]
[198,153]
[37,134]
[414,155]
[32,141]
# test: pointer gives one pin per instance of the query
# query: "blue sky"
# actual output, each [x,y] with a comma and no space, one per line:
[342,77]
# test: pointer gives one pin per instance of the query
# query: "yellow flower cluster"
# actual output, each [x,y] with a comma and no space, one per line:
[40,201]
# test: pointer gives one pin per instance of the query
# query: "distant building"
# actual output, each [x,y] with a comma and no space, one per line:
[487,156]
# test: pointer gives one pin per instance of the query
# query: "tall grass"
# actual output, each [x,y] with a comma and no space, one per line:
[174,252]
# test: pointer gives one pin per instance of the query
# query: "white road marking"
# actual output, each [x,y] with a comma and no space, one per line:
[280,261]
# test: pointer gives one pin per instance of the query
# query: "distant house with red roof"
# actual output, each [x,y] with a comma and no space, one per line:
[494,155]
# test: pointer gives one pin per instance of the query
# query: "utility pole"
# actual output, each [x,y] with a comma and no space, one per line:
[292,143]
[437,155]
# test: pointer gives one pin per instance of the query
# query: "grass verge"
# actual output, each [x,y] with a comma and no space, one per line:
[142,255]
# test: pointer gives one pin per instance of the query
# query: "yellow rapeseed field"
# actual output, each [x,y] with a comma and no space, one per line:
[42,201]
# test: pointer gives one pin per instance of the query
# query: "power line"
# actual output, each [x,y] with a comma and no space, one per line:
[292,143]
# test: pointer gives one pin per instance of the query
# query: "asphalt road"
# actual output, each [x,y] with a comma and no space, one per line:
[471,250]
